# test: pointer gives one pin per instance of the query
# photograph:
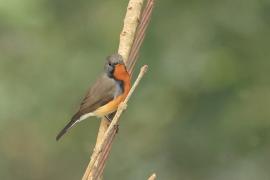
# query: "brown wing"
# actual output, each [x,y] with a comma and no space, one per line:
[98,95]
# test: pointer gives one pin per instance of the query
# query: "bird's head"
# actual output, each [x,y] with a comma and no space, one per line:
[114,61]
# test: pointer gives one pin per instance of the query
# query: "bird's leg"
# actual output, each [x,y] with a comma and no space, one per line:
[110,117]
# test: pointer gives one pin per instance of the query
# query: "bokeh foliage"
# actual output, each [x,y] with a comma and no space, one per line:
[200,113]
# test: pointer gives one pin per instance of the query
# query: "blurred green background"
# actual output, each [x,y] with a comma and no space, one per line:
[200,113]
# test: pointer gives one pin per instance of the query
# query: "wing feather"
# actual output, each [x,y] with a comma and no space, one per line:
[98,95]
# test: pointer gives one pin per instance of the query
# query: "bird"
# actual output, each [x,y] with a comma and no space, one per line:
[104,96]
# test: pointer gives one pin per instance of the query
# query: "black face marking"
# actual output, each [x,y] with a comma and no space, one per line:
[111,62]
[110,71]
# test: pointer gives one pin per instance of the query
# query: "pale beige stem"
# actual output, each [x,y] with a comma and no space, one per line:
[113,125]
[126,39]
[153,177]
[102,129]
[130,63]
[131,22]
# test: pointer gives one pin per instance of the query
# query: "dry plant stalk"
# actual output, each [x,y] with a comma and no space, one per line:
[131,22]
[153,177]
[126,38]
[110,131]
[130,54]
[140,33]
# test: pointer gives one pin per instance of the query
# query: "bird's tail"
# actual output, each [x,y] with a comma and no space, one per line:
[71,123]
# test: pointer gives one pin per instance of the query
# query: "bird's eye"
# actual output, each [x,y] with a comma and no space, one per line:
[110,63]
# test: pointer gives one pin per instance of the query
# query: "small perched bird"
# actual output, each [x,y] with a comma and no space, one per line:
[103,98]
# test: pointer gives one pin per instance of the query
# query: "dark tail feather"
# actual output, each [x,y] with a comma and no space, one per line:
[67,127]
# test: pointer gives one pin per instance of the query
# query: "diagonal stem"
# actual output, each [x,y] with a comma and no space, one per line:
[111,130]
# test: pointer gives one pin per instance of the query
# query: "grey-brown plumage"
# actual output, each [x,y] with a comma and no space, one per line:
[102,92]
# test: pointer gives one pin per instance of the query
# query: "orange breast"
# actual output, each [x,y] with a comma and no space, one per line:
[120,74]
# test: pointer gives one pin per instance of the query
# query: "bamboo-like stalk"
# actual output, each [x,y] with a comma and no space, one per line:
[128,47]
[107,138]
[144,21]
[140,34]
[153,177]
[131,22]
[126,39]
